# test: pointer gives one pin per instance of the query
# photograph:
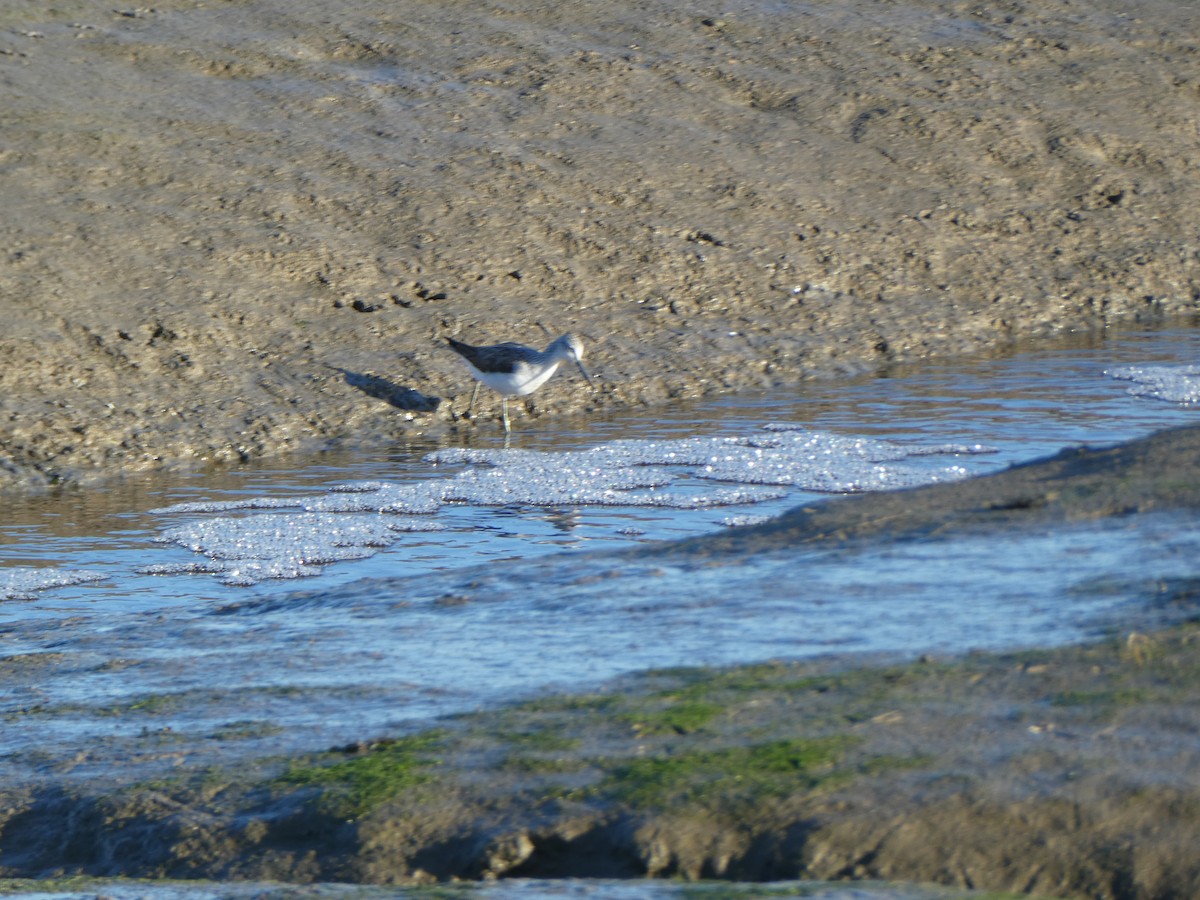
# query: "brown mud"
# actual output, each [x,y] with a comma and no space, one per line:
[1067,772]
[241,228]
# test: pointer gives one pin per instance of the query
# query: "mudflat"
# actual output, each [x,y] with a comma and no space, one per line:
[233,230]
[237,229]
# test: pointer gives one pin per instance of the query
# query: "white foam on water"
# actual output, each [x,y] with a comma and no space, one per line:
[1175,384]
[355,520]
[24,582]
[531,478]
[744,520]
[364,496]
[246,550]
[211,506]
[788,455]
[188,568]
[422,498]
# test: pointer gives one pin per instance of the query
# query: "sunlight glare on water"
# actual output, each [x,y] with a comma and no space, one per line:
[1175,384]
[665,475]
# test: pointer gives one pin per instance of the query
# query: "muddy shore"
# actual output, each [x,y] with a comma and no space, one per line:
[232,230]
[240,229]
[1065,772]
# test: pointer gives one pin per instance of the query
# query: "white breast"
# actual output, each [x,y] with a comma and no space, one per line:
[527,378]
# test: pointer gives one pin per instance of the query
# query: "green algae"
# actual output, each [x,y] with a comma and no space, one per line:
[245,729]
[534,765]
[678,718]
[543,740]
[569,703]
[355,786]
[755,748]
[733,774]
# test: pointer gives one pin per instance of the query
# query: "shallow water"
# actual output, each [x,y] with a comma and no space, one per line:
[158,626]
[1006,410]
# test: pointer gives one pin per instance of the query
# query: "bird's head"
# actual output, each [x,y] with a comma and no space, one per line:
[570,347]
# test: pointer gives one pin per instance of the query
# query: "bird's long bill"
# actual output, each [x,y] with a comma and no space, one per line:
[585,373]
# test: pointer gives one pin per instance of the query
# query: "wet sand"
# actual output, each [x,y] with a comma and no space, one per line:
[241,229]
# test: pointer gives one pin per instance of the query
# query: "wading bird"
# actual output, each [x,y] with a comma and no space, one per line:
[514,370]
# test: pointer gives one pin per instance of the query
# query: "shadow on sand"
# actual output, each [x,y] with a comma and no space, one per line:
[397,395]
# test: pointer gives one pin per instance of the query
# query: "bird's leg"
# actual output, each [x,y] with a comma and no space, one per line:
[504,413]
[471,405]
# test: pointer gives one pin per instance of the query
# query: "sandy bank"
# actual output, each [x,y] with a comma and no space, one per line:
[237,229]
